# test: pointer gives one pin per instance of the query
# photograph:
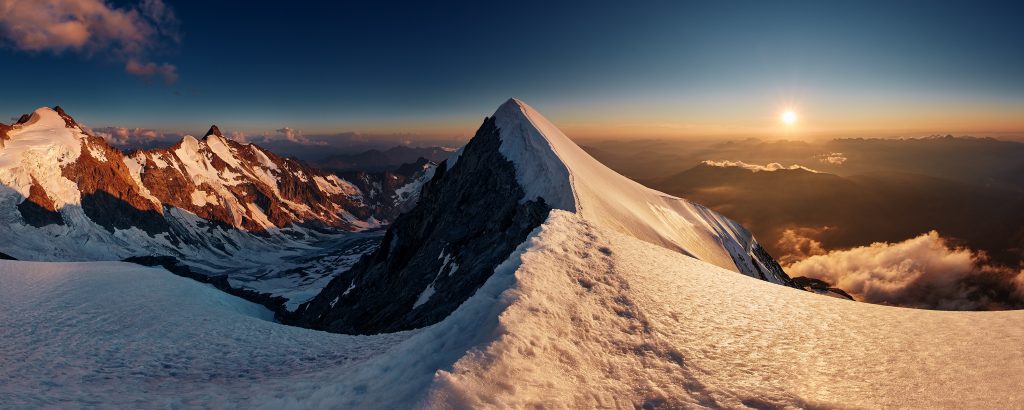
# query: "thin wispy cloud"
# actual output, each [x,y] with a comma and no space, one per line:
[93,28]
[774,166]
[167,72]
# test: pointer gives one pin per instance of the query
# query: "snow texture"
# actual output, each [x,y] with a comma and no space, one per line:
[580,316]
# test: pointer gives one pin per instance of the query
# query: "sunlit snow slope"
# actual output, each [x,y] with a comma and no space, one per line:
[581,316]
[551,166]
[484,200]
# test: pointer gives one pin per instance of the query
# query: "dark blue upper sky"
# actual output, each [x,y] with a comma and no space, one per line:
[615,68]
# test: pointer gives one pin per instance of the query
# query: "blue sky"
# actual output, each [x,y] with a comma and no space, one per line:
[628,69]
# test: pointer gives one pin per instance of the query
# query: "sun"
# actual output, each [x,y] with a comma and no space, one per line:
[789,117]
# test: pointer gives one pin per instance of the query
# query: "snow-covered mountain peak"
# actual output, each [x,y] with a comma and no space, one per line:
[32,157]
[532,143]
[485,201]
[44,117]
[551,166]
[61,187]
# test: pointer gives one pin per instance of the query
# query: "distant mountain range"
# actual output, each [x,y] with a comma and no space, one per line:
[376,160]
[858,209]
[214,204]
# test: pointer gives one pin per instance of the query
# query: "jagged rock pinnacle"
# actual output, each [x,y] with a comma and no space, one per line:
[214,131]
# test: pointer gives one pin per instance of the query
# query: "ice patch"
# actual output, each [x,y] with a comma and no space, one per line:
[424,296]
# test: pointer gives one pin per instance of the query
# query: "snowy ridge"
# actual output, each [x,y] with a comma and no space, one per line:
[551,166]
[579,316]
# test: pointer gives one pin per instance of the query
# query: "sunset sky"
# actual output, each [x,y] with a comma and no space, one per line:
[615,69]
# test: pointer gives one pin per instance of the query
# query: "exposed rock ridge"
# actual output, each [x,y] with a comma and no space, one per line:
[468,220]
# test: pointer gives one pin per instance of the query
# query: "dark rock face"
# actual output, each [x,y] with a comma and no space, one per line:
[469,219]
[38,209]
[7,257]
[68,121]
[819,286]
[214,131]
[381,188]
[774,270]
[109,195]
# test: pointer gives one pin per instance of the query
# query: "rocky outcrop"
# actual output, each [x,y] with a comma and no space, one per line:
[68,121]
[390,193]
[213,131]
[38,209]
[247,187]
[110,197]
[4,128]
[768,268]
[819,286]
[469,219]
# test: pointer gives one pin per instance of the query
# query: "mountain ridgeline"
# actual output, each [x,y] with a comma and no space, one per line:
[284,234]
[484,202]
[61,186]
[469,218]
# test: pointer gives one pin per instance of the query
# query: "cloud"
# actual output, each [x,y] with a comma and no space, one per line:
[168,72]
[123,137]
[832,158]
[240,137]
[91,27]
[774,166]
[289,134]
[292,135]
[800,243]
[922,272]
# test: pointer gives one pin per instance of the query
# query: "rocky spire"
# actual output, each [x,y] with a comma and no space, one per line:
[213,131]
[68,121]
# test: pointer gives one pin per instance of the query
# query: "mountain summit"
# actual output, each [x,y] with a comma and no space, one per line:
[551,166]
[214,131]
[485,200]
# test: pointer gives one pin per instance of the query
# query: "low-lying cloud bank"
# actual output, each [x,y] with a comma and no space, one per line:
[774,166]
[923,272]
[799,243]
[131,138]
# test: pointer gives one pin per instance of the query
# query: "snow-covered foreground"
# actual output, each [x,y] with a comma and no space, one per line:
[581,316]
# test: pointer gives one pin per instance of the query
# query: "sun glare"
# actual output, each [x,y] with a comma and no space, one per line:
[789,117]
